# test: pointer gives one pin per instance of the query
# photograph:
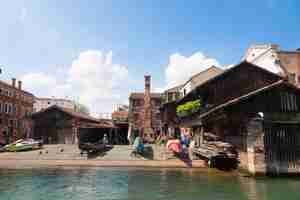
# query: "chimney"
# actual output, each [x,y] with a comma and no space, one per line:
[274,46]
[20,85]
[13,82]
[147,83]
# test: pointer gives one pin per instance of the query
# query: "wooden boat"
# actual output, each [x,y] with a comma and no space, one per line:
[174,146]
[91,147]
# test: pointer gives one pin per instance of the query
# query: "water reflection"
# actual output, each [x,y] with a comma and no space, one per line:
[141,184]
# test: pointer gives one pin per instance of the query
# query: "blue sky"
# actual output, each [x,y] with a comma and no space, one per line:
[47,37]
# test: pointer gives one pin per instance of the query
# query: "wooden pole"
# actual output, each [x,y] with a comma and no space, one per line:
[201,139]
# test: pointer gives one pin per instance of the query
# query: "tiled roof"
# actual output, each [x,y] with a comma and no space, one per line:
[14,88]
[120,114]
[226,72]
[67,111]
[174,89]
[205,75]
[56,99]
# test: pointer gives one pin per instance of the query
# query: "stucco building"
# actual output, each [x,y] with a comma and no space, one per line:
[43,103]
[276,60]
[199,78]
[15,107]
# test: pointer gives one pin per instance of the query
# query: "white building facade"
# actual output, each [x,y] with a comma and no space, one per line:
[276,60]
[43,103]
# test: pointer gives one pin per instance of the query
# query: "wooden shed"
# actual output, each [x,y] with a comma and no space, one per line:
[57,125]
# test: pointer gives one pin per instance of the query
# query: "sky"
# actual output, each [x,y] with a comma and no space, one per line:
[97,52]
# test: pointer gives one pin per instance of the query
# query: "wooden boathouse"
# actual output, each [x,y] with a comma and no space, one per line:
[58,125]
[253,109]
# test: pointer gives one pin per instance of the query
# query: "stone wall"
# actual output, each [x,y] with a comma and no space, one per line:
[255,148]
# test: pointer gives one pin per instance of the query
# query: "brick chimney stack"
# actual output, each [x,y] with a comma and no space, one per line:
[20,85]
[147,84]
[13,82]
[148,131]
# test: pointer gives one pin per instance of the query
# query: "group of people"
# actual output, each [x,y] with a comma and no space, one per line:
[176,144]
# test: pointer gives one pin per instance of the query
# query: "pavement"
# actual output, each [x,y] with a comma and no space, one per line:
[69,155]
[71,152]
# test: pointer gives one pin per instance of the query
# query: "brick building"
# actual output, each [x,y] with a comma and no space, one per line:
[144,111]
[15,107]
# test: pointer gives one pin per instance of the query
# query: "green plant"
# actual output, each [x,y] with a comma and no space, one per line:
[188,108]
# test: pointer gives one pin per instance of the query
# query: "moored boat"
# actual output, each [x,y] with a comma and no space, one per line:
[23,145]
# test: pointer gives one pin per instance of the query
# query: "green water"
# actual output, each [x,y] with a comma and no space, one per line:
[167,184]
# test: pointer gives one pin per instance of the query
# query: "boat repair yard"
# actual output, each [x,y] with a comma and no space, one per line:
[69,155]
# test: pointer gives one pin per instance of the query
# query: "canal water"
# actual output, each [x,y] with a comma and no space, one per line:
[139,184]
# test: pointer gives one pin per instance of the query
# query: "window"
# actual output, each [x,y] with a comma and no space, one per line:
[170,97]
[5,108]
[14,109]
[10,108]
[136,103]
[177,95]
[136,116]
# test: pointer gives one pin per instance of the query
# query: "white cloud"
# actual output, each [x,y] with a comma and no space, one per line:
[92,79]
[40,82]
[181,68]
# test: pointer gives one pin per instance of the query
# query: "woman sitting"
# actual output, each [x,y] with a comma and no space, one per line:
[138,146]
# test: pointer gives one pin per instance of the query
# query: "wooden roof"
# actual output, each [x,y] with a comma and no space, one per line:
[226,73]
